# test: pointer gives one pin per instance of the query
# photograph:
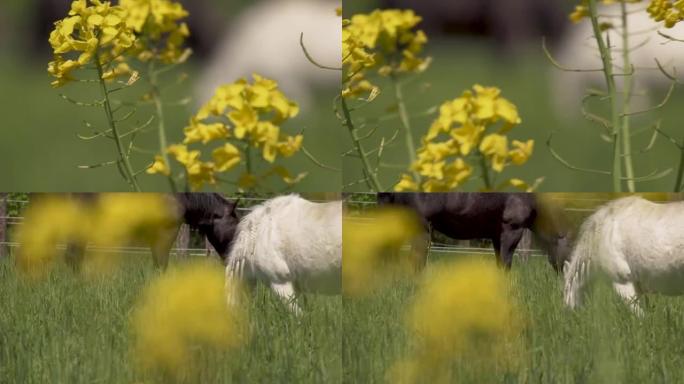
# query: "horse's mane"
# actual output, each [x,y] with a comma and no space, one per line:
[253,229]
[201,205]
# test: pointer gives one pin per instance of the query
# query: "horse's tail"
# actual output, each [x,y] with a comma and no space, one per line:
[241,252]
[591,241]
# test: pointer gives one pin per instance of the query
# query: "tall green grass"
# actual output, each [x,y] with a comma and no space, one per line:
[602,342]
[67,329]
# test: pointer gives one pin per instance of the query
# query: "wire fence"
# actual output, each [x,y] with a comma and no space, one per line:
[439,247]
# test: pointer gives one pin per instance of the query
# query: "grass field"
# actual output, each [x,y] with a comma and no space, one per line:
[602,342]
[70,330]
[67,329]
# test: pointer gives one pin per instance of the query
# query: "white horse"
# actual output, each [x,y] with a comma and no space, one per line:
[290,244]
[265,40]
[637,244]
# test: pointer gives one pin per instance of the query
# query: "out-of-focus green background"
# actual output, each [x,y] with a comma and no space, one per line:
[462,59]
[39,150]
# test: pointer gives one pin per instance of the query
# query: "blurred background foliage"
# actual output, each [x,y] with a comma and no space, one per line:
[39,149]
[499,43]
[488,43]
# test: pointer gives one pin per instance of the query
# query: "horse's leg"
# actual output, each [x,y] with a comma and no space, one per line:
[419,250]
[286,293]
[510,237]
[73,256]
[162,244]
[629,294]
[496,243]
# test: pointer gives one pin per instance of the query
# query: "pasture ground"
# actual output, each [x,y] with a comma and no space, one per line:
[600,343]
[70,330]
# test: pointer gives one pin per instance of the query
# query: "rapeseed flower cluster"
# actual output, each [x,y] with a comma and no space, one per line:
[355,60]
[158,22]
[241,114]
[384,41]
[476,122]
[181,312]
[668,11]
[113,220]
[106,35]
[581,10]
[371,253]
[464,312]
[93,30]
[47,222]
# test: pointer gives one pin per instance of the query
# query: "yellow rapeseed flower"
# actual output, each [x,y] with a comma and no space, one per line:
[226,157]
[371,248]
[159,166]
[670,12]
[478,120]
[182,311]
[581,10]
[93,29]
[495,148]
[521,151]
[384,41]
[463,312]
[113,220]
[48,222]
[239,115]
[159,21]
[200,132]
[119,219]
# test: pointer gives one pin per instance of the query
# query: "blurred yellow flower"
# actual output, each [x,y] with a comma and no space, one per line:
[372,242]
[668,11]
[159,166]
[112,220]
[463,312]
[48,222]
[181,312]
[581,10]
[159,22]
[226,157]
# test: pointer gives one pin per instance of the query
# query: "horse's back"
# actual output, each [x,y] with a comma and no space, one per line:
[293,239]
[649,238]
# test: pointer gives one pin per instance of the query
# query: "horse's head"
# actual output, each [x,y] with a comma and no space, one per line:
[384,198]
[559,249]
[221,225]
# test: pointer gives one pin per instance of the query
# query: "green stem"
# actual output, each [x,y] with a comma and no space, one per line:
[485,173]
[123,156]
[680,171]
[248,158]
[406,124]
[372,177]
[159,111]
[626,100]
[612,93]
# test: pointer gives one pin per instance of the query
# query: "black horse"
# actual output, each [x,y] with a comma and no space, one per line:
[501,217]
[214,216]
